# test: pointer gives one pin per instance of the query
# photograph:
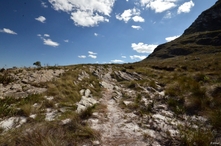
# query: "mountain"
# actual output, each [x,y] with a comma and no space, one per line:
[202,37]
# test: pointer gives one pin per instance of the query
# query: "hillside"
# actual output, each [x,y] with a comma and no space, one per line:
[172,98]
[202,37]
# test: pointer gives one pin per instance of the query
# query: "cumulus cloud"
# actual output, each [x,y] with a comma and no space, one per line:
[41,19]
[95,34]
[137,57]
[138,19]
[117,61]
[159,6]
[49,42]
[82,56]
[86,13]
[186,7]
[143,48]
[123,57]
[92,54]
[136,27]
[87,19]
[168,39]
[8,31]
[46,35]
[66,41]
[129,14]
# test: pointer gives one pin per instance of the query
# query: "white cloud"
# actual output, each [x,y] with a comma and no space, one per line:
[186,7]
[168,15]
[46,35]
[159,6]
[43,4]
[91,53]
[41,19]
[86,13]
[136,27]
[137,57]
[138,19]
[117,61]
[92,56]
[168,39]
[143,48]
[82,56]
[49,42]
[8,31]
[123,57]
[87,19]
[95,34]
[130,14]
[66,41]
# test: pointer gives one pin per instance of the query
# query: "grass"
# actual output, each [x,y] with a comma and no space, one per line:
[11,106]
[5,78]
[192,137]
[50,134]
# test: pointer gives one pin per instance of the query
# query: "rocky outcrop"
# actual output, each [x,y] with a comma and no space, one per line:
[86,100]
[26,81]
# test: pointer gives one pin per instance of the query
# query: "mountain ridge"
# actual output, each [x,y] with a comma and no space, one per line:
[203,36]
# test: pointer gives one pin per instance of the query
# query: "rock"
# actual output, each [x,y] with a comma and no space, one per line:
[65,121]
[85,103]
[50,114]
[33,116]
[12,122]
[127,102]
[96,142]
[16,87]
[25,81]
[87,92]
[107,85]
[50,98]
[82,92]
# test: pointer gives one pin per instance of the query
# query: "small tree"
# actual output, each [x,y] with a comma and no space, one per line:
[37,63]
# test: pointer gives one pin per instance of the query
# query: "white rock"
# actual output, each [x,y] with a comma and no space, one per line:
[65,121]
[127,102]
[12,122]
[50,98]
[87,92]
[82,92]
[33,116]
[160,117]
[96,143]
[50,114]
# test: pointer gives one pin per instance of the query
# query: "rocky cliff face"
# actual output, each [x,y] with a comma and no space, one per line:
[209,20]
[202,37]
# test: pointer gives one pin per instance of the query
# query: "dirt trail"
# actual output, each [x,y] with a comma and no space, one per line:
[116,126]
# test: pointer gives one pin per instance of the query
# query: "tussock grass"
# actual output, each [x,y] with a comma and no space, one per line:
[11,106]
[50,134]
[191,137]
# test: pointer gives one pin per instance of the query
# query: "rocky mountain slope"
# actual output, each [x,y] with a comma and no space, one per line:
[202,37]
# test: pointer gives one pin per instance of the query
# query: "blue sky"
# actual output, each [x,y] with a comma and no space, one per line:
[65,32]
